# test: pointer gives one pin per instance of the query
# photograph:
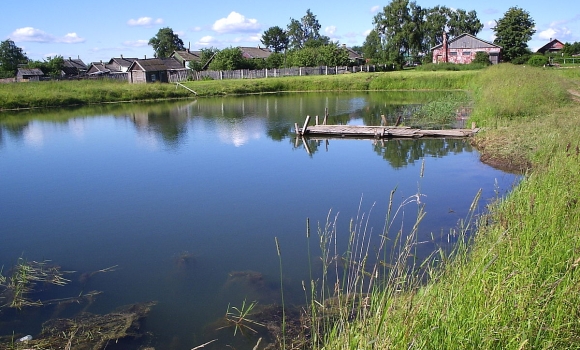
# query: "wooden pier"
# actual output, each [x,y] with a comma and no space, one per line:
[376,132]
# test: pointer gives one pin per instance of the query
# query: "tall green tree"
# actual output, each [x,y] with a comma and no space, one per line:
[51,66]
[570,49]
[10,57]
[441,19]
[229,59]
[372,48]
[165,42]
[306,32]
[512,33]
[275,38]
[393,24]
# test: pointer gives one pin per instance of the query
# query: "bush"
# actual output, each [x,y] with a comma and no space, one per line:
[481,57]
[523,59]
[538,60]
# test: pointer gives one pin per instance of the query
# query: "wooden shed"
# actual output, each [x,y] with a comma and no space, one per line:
[553,46]
[462,49]
[186,56]
[29,74]
[154,70]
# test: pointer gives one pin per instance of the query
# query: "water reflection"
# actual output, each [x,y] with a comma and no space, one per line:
[239,119]
[186,198]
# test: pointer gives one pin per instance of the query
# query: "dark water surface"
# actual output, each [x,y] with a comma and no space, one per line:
[186,198]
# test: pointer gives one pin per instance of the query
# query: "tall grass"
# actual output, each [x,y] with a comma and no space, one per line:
[69,93]
[515,284]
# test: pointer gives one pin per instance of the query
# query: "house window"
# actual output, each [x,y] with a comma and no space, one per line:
[453,53]
[466,53]
[153,77]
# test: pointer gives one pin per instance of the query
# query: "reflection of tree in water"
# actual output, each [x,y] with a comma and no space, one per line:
[169,124]
[400,153]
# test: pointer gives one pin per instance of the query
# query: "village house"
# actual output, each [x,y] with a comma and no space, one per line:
[255,52]
[73,68]
[120,64]
[29,74]
[554,46]
[462,49]
[155,70]
[186,56]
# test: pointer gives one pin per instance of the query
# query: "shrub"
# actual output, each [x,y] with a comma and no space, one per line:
[481,57]
[538,60]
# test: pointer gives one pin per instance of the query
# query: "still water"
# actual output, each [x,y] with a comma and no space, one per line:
[185,199]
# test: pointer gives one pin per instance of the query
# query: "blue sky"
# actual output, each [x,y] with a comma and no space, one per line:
[97,31]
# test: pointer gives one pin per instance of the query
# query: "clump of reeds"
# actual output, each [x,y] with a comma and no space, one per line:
[23,280]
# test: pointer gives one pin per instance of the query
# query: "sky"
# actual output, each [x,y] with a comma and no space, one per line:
[94,31]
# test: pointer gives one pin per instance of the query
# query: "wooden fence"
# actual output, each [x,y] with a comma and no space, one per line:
[283,72]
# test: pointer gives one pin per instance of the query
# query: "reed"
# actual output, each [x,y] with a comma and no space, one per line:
[512,281]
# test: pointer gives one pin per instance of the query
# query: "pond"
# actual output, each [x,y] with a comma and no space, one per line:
[181,202]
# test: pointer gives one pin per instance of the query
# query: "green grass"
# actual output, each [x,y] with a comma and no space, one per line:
[514,284]
[73,93]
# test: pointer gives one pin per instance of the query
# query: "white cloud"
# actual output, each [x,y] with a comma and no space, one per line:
[330,30]
[197,29]
[367,32]
[71,38]
[235,22]
[490,24]
[144,21]
[375,9]
[561,33]
[207,41]
[136,43]
[30,34]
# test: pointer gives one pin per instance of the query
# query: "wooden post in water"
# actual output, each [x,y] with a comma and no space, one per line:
[472,125]
[305,124]
[398,121]
[383,120]
[316,121]
[296,129]
[325,116]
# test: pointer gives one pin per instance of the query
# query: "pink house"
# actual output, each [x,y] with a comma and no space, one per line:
[462,49]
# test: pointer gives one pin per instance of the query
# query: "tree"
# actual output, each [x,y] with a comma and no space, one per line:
[571,49]
[275,38]
[228,59]
[393,23]
[513,31]
[206,56]
[165,42]
[52,66]
[372,48]
[10,57]
[306,32]
[454,22]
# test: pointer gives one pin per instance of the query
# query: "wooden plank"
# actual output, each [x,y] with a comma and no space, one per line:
[381,132]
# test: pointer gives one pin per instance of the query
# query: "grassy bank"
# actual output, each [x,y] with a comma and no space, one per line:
[517,285]
[72,93]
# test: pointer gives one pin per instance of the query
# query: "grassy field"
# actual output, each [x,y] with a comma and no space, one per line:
[74,93]
[516,285]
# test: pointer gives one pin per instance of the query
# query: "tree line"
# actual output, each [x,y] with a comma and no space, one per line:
[402,32]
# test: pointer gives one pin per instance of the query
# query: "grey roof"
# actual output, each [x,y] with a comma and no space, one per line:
[188,55]
[469,41]
[157,64]
[255,52]
[123,61]
[75,63]
[101,68]
[29,71]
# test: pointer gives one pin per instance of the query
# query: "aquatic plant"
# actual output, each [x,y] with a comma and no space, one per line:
[239,318]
